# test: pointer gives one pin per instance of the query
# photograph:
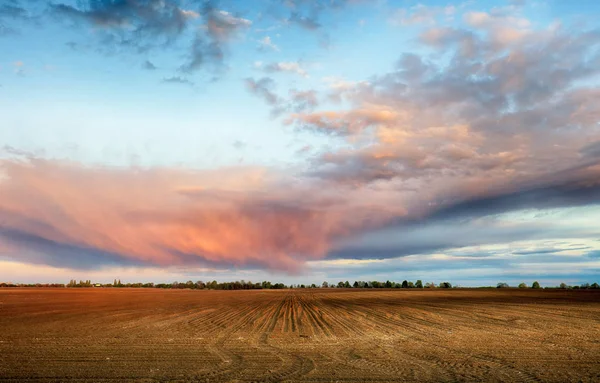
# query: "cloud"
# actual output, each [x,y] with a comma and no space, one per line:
[145,25]
[148,65]
[305,22]
[297,100]
[13,12]
[303,100]
[56,212]
[266,44]
[139,19]
[422,14]
[178,80]
[263,88]
[208,47]
[496,111]
[290,67]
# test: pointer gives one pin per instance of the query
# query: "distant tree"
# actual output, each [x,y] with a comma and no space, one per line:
[347,285]
[405,284]
[411,285]
[388,284]
[563,286]
[340,285]
[595,286]
[535,285]
[355,285]
[522,286]
[446,285]
[419,284]
[502,285]
[325,285]
[430,285]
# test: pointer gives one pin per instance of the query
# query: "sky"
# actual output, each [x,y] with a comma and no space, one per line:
[300,141]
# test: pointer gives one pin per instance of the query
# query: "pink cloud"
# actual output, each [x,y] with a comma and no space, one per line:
[238,216]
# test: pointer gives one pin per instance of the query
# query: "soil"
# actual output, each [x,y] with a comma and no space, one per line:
[321,335]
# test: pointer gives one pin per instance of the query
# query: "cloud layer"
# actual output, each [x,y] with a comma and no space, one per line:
[67,214]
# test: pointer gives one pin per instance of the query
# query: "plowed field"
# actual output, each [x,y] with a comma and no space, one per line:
[324,335]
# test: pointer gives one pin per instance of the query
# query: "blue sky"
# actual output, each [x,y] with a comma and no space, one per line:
[300,141]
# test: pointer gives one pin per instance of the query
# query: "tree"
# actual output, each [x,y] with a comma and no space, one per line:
[535,285]
[325,285]
[446,285]
[347,285]
[340,285]
[595,286]
[355,285]
[411,285]
[405,284]
[522,286]
[419,284]
[502,285]
[388,284]
[564,286]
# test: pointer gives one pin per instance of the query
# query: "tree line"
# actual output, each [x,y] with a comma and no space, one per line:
[267,285]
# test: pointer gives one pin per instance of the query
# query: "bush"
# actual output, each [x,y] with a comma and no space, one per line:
[502,285]
[522,286]
[535,285]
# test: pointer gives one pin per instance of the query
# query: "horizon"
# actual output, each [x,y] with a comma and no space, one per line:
[275,285]
[300,142]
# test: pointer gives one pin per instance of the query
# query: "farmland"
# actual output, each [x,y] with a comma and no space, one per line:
[316,335]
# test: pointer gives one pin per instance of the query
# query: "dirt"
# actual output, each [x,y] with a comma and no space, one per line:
[323,335]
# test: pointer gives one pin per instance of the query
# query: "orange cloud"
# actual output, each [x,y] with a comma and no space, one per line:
[234,216]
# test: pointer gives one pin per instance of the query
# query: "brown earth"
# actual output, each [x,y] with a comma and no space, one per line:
[97,335]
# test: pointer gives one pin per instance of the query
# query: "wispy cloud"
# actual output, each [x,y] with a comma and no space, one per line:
[178,80]
[286,66]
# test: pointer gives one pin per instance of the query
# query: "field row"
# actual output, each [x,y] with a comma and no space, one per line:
[295,335]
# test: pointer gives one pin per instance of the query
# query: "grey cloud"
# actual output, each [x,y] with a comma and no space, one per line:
[303,100]
[548,251]
[178,80]
[48,252]
[296,100]
[209,44]
[12,11]
[305,22]
[568,192]
[148,65]
[144,25]
[152,18]
[592,150]
[263,88]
